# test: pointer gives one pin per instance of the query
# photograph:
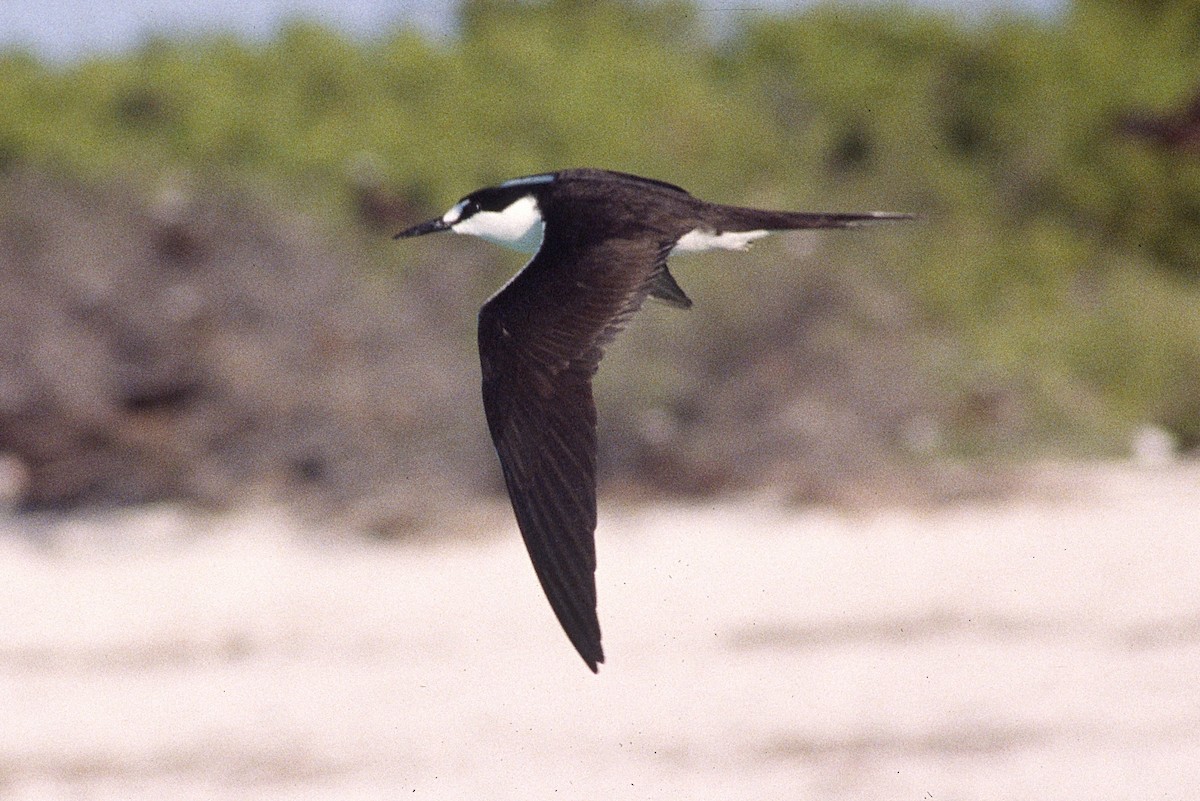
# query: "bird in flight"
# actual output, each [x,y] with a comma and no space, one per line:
[601,241]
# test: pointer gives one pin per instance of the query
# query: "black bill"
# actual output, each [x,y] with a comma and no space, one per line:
[430,227]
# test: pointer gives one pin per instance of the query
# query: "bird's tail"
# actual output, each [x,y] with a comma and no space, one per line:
[738,218]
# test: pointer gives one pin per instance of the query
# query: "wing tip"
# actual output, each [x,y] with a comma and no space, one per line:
[593,662]
[589,649]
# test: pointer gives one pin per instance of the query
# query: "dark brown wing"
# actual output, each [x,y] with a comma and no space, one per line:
[541,339]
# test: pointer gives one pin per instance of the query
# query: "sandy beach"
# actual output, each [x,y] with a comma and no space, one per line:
[1043,647]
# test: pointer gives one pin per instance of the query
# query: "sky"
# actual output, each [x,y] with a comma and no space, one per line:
[67,29]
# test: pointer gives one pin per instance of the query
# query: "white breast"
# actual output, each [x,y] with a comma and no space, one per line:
[518,226]
[698,240]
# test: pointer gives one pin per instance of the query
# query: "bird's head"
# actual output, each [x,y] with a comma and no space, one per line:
[506,215]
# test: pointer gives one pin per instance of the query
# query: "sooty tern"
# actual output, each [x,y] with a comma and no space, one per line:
[601,241]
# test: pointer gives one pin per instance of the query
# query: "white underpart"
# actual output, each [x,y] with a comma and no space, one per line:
[518,226]
[698,240]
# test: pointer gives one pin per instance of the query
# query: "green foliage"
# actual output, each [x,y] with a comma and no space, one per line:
[1059,256]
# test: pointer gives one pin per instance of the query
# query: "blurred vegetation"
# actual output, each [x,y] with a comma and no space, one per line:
[1059,259]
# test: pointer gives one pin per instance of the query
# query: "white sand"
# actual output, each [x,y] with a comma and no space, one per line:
[1041,649]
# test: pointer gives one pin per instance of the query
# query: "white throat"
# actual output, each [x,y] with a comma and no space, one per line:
[518,226]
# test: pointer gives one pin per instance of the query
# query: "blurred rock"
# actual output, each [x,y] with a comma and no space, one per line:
[14,478]
[199,346]
[815,396]
[377,206]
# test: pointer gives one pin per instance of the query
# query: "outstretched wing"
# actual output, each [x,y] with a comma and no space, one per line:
[541,338]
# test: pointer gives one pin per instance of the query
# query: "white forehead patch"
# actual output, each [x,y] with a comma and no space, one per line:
[529,180]
[517,226]
[452,216]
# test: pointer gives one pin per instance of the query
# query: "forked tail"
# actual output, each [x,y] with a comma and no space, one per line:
[737,218]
